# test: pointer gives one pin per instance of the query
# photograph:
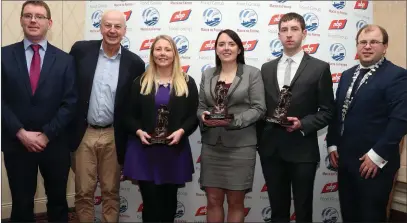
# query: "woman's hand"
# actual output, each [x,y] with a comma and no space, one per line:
[175,137]
[143,136]
[214,122]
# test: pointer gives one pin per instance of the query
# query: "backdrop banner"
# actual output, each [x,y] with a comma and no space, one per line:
[194,25]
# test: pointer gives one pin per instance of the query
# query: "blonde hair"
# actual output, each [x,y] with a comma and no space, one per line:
[178,77]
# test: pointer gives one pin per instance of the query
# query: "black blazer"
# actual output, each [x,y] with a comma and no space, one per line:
[312,102]
[52,106]
[86,55]
[141,113]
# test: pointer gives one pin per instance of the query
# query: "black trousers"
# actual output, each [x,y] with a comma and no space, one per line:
[364,200]
[159,201]
[22,169]
[280,175]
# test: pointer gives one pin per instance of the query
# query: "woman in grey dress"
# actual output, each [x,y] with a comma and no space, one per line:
[228,154]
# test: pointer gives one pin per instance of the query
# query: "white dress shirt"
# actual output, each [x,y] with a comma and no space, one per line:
[282,66]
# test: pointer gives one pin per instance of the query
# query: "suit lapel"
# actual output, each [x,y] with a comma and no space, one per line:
[213,81]
[236,81]
[49,59]
[303,64]
[123,73]
[19,54]
[273,76]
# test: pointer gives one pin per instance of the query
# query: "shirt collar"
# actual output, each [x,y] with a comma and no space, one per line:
[296,57]
[43,43]
[114,56]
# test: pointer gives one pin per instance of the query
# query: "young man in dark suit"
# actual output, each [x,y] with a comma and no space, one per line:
[289,154]
[105,72]
[369,123]
[38,101]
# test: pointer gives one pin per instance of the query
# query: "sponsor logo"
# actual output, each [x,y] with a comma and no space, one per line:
[311,21]
[125,42]
[339,4]
[266,214]
[280,4]
[276,48]
[361,4]
[293,217]
[212,2]
[180,16]
[248,18]
[96,17]
[180,210]
[250,45]
[246,211]
[338,24]
[264,188]
[357,56]
[127,14]
[212,17]
[124,205]
[360,24]
[180,3]
[310,48]
[182,44]
[335,79]
[185,68]
[204,67]
[275,19]
[330,187]
[183,193]
[140,208]
[329,215]
[208,45]
[199,158]
[146,44]
[151,16]
[201,211]
[338,51]
[151,3]
[97,200]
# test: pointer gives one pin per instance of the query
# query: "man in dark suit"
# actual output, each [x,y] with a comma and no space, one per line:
[289,154]
[38,102]
[369,123]
[105,72]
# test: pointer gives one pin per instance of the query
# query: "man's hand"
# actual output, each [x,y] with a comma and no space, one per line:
[31,141]
[43,139]
[333,157]
[296,124]
[367,168]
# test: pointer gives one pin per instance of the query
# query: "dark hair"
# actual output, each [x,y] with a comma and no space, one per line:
[233,35]
[37,3]
[292,16]
[371,27]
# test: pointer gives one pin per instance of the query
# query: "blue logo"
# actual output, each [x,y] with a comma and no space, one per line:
[329,215]
[338,51]
[248,18]
[339,4]
[125,42]
[280,1]
[360,24]
[212,17]
[206,66]
[180,210]
[182,44]
[124,205]
[276,48]
[96,17]
[266,214]
[150,16]
[311,21]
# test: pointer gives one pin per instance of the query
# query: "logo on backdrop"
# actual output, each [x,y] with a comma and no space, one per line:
[360,24]
[180,210]
[276,48]
[96,17]
[204,67]
[248,18]
[185,68]
[338,24]
[329,215]
[335,79]
[275,19]
[311,21]
[338,51]
[208,45]
[266,214]
[280,4]
[128,14]
[97,200]
[180,16]
[250,45]
[293,217]
[330,188]
[125,42]
[146,44]
[201,211]
[310,48]
[124,205]
[212,16]
[339,4]
[361,4]
[151,16]
[182,44]
[246,211]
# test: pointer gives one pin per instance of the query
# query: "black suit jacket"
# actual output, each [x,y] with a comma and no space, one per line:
[86,55]
[52,106]
[141,113]
[312,102]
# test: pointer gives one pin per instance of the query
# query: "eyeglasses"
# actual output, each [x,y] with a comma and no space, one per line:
[37,17]
[373,43]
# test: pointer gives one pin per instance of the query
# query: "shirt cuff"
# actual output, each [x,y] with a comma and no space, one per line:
[378,160]
[332,148]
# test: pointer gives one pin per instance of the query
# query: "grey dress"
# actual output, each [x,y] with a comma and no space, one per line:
[228,155]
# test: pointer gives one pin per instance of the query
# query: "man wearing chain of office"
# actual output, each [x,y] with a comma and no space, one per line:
[370,121]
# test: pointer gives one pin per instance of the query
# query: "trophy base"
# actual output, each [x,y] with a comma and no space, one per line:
[219,116]
[282,122]
[158,140]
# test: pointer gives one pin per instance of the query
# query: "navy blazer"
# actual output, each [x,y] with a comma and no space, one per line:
[52,106]
[376,119]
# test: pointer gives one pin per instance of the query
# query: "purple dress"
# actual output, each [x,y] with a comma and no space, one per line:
[161,164]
